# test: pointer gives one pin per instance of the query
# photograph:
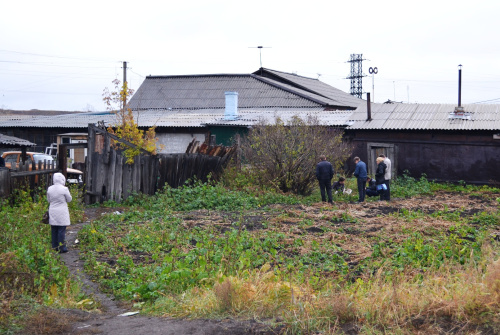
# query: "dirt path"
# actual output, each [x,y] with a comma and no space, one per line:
[110,321]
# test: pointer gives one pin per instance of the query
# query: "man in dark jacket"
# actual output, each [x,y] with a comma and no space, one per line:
[361,174]
[324,174]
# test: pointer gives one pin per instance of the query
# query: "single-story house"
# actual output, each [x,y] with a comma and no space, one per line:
[437,140]
[187,107]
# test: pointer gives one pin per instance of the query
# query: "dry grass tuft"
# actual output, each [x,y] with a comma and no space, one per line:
[341,307]
[49,322]
[492,280]
[466,297]
[224,293]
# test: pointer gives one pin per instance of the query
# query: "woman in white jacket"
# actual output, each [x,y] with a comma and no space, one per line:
[58,196]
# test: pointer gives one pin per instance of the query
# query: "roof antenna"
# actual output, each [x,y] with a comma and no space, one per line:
[260,47]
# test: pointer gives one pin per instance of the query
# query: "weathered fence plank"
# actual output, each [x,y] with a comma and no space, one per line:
[110,179]
[127,180]
[4,182]
[118,178]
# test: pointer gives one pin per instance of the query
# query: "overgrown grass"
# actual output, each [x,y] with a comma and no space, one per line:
[202,254]
[31,272]
[176,257]
[466,297]
[235,250]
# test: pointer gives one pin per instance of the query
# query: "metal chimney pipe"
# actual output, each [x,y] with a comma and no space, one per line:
[231,111]
[368,107]
[460,85]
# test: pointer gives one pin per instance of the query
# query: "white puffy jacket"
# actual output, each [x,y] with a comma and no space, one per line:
[58,196]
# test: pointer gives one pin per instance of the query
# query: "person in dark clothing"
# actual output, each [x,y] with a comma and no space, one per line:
[380,176]
[361,174]
[339,185]
[371,190]
[324,174]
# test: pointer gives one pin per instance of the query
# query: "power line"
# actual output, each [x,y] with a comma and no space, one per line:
[140,75]
[53,56]
[45,92]
[49,64]
[479,102]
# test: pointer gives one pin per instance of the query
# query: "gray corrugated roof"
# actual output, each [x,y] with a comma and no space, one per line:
[426,116]
[199,92]
[384,116]
[183,118]
[254,91]
[314,85]
[145,119]
[252,117]
[14,141]
[9,117]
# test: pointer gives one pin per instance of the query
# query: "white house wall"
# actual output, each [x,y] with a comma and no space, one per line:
[176,143]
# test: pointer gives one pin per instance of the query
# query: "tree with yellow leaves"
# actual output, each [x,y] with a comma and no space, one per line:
[126,128]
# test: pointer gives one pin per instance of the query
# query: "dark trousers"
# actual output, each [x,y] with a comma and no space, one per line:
[371,193]
[325,185]
[58,238]
[361,189]
[382,194]
[388,191]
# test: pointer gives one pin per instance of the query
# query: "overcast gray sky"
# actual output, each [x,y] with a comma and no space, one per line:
[61,54]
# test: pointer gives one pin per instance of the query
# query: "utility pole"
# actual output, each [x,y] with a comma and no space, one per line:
[125,86]
[373,71]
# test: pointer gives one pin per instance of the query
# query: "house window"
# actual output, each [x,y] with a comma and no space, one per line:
[377,149]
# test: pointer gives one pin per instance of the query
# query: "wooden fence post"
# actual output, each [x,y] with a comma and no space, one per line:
[4,182]
[89,180]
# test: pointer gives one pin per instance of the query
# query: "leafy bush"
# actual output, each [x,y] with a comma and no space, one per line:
[285,154]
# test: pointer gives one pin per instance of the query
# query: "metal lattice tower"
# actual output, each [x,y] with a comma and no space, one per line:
[356,75]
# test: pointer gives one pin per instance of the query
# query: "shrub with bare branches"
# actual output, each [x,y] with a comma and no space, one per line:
[285,154]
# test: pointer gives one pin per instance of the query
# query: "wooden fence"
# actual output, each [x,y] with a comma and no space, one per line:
[176,169]
[199,161]
[109,177]
[24,175]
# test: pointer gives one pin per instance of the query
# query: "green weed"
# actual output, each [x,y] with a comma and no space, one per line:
[406,186]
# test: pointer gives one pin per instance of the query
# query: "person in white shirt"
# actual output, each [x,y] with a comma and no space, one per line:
[387,177]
